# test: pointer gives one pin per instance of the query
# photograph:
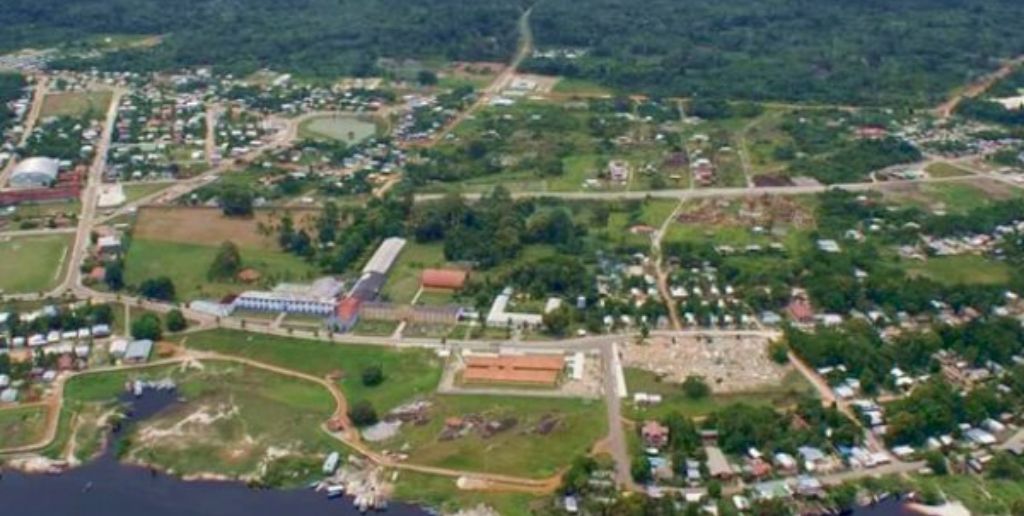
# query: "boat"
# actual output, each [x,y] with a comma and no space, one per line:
[335,491]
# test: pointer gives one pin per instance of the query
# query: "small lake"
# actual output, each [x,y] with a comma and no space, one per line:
[105,487]
[350,129]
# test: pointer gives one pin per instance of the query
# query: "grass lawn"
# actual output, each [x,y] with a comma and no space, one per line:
[92,104]
[136,191]
[32,264]
[375,328]
[249,412]
[942,169]
[442,493]
[962,270]
[404,280]
[408,373]
[979,495]
[520,450]
[186,265]
[22,426]
[673,399]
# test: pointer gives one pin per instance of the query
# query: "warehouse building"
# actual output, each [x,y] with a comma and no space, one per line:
[385,256]
[35,173]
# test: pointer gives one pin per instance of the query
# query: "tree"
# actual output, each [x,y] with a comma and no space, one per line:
[695,388]
[426,77]
[557,321]
[373,376]
[715,489]
[176,321]
[640,468]
[226,264]
[113,275]
[161,288]
[779,352]
[147,327]
[236,202]
[936,462]
[363,414]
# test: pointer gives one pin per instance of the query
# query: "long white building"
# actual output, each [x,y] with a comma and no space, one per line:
[385,255]
[318,298]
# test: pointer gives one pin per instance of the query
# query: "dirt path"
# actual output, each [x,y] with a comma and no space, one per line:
[661,273]
[946,109]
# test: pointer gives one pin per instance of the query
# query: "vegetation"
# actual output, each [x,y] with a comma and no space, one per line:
[323,37]
[773,50]
[147,327]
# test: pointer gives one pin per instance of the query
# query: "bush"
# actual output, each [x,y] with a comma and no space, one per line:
[373,376]
[161,288]
[176,321]
[779,352]
[363,414]
[695,388]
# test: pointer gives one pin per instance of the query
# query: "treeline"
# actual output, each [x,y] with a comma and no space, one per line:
[989,111]
[308,37]
[855,160]
[11,86]
[797,50]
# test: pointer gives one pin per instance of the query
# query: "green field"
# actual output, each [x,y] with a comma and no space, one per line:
[187,264]
[408,373]
[91,104]
[580,87]
[520,450]
[22,426]
[32,264]
[962,270]
[792,387]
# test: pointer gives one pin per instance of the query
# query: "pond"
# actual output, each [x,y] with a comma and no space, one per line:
[350,129]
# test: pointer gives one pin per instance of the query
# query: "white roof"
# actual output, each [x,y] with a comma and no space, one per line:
[35,171]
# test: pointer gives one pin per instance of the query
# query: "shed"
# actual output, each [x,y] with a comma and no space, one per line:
[138,351]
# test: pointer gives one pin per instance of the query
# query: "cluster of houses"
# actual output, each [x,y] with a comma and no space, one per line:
[48,352]
[11,133]
[706,300]
[155,129]
[765,475]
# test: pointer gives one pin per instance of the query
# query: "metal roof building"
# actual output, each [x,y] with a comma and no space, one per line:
[35,173]
[385,255]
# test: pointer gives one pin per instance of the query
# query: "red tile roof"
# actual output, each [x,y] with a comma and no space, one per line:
[450,279]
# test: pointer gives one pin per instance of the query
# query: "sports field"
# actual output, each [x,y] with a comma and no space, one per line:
[32,264]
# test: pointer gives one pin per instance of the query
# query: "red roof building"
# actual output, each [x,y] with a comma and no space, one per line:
[443,279]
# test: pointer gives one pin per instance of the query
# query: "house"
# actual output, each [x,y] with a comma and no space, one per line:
[138,351]
[443,279]
[654,434]
[108,245]
[718,465]
[618,170]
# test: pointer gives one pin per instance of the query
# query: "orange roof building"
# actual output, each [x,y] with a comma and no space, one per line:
[527,369]
[443,279]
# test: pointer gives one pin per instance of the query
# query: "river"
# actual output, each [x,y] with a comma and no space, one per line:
[105,487]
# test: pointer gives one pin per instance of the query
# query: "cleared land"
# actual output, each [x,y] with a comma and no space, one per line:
[22,426]
[979,495]
[234,420]
[182,243]
[90,104]
[442,493]
[407,373]
[537,439]
[783,394]
[32,264]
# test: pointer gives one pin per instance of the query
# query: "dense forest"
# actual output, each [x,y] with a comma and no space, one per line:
[863,52]
[311,37]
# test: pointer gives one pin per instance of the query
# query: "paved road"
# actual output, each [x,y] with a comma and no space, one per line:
[721,192]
